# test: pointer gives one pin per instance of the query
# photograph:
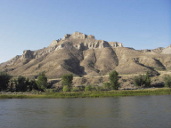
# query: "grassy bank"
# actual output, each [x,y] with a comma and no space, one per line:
[142,92]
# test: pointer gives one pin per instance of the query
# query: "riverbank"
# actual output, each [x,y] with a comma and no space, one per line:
[140,92]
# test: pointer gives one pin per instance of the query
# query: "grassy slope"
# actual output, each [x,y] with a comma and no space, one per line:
[163,91]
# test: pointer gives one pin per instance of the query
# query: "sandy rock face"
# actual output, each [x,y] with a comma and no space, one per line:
[27,54]
[82,42]
[167,50]
[83,55]
[78,35]
[54,43]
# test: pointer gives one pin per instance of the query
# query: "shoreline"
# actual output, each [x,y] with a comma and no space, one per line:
[89,94]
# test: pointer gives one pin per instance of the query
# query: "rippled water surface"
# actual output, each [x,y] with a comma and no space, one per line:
[117,112]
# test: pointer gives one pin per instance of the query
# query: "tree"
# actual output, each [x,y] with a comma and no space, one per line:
[4,80]
[33,85]
[67,80]
[42,81]
[21,84]
[113,78]
[167,81]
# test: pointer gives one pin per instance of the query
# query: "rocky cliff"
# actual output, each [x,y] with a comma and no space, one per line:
[83,55]
[81,41]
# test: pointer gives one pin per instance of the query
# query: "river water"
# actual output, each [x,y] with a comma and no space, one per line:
[116,112]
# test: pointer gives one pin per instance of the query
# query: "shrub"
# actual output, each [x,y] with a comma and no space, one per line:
[167,81]
[142,80]
[106,86]
[4,80]
[88,88]
[98,88]
[139,80]
[75,89]
[113,77]
[49,90]
[66,89]
[147,80]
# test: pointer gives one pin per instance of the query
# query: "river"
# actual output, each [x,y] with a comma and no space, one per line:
[116,112]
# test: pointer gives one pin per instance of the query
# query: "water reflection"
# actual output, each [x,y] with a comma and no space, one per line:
[122,112]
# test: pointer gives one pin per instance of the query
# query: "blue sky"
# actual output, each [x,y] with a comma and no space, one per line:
[33,24]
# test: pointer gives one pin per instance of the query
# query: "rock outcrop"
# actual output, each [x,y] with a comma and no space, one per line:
[82,42]
[83,55]
[167,50]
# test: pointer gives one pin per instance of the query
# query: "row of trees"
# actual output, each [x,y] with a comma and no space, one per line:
[113,84]
[143,81]
[21,83]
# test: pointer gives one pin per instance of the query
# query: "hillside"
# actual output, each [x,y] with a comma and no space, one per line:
[83,55]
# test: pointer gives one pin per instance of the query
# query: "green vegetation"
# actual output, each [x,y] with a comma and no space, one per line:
[106,86]
[66,88]
[21,84]
[167,81]
[42,81]
[113,93]
[142,80]
[88,88]
[67,79]
[67,82]
[77,89]
[4,80]
[113,77]
[22,87]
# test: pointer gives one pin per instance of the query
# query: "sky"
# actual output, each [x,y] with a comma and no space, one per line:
[34,24]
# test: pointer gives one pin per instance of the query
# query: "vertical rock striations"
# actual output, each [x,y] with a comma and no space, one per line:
[83,55]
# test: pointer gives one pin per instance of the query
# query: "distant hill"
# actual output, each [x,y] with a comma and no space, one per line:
[83,55]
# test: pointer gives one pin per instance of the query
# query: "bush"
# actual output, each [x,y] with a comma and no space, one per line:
[142,80]
[113,77]
[4,80]
[42,81]
[75,89]
[147,80]
[98,88]
[106,86]
[49,90]
[167,81]
[66,89]
[139,80]
[88,88]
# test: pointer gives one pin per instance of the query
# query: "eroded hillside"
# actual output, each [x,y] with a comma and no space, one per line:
[83,55]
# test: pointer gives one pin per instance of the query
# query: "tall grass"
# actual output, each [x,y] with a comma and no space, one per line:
[163,91]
